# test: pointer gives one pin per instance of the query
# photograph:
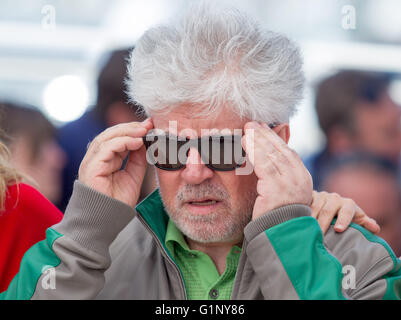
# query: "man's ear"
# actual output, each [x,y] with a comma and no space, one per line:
[283,130]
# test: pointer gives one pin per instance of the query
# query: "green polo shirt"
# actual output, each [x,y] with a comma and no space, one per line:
[201,278]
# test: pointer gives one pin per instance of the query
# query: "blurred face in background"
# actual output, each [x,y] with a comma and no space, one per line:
[31,139]
[376,192]
[378,128]
[44,164]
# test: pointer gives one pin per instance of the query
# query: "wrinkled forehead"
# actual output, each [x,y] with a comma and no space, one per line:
[180,122]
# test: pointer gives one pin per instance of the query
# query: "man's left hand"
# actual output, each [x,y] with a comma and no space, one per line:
[282,176]
[283,180]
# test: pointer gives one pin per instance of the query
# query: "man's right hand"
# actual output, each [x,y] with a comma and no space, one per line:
[100,168]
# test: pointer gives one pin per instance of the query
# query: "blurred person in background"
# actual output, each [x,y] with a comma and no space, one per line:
[31,139]
[111,108]
[25,214]
[355,112]
[372,183]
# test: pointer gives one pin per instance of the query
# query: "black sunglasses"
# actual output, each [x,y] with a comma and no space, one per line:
[219,153]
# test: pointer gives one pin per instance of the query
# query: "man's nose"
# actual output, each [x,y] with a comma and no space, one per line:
[195,171]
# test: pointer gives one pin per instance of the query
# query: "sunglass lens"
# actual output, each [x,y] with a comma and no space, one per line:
[162,152]
[224,153]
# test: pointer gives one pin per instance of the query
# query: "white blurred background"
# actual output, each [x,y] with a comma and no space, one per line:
[51,51]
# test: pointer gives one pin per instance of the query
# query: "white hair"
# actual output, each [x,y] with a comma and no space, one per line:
[216,58]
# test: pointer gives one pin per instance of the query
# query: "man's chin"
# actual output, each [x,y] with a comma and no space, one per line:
[208,230]
[210,237]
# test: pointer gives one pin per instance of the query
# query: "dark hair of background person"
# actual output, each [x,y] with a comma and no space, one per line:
[31,140]
[361,159]
[25,120]
[335,109]
[356,113]
[111,84]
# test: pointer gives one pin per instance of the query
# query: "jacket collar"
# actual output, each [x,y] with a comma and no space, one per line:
[152,214]
[151,209]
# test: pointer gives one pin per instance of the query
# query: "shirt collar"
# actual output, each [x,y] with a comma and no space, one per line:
[174,235]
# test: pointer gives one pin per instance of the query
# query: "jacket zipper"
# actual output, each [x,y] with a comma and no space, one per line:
[240,269]
[165,255]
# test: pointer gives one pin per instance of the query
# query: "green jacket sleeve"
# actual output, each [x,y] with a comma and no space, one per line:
[292,260]
[71,261]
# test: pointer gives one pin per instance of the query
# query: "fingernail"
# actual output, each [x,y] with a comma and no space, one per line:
[254,124]
[377,225]
[339,227]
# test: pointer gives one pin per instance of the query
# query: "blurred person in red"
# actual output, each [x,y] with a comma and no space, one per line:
[356,113]
[25,214]
[372,182]
[111,108]
[31,139]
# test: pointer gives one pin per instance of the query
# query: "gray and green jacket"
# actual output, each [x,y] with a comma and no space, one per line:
[105,249]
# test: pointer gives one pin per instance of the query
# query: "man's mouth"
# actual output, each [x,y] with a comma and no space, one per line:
[206,202]
[205,205]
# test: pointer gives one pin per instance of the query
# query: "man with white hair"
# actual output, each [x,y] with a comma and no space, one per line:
[218,227]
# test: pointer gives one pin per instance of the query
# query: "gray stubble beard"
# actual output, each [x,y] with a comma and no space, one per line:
[204,229]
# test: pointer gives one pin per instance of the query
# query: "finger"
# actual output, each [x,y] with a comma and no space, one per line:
[327,213]
[318,201]
[116,163]
[371,225]
[136,164]
[131,129]
[368,223]
[345,216]
[278,142]
[259,154]
[274,141]
[147,124]
[109,159]
[99,143]
[248,144]
[290,154]
[280,150]
[261,145]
